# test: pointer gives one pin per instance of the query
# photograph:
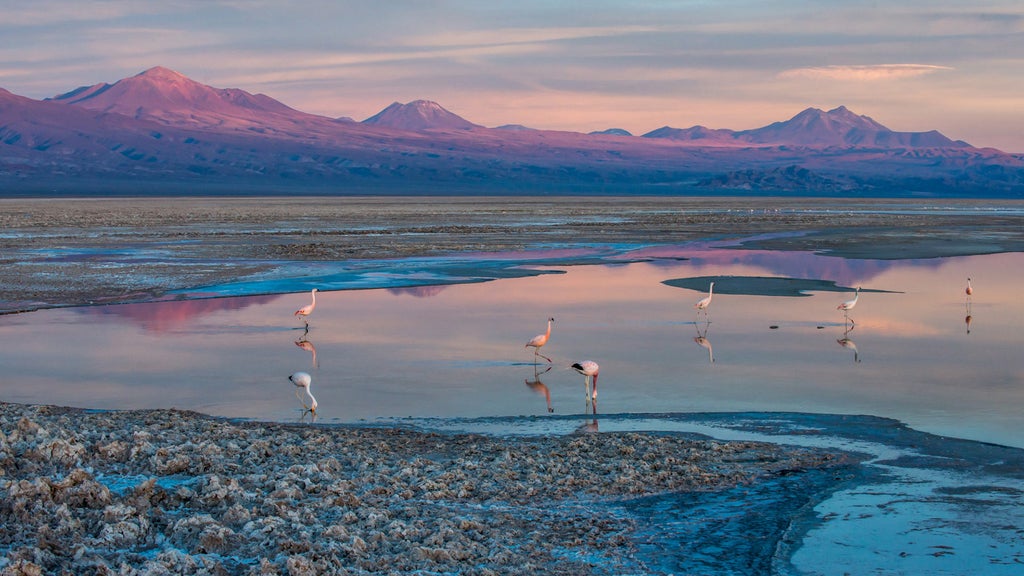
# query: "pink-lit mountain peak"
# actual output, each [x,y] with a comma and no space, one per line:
[162,94]
[840,127]
[837,119]
[419,115]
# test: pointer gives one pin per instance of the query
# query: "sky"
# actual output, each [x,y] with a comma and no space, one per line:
[912,65]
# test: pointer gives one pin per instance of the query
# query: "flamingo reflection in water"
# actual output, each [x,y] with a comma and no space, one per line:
[306,345]
[539,387]
[970,292]
[538,342]
[848,305]
[306,310]
[590,370]
[702,339]
[847,343]
[303,380]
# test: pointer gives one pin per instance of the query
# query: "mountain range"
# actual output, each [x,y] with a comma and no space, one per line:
[162,132]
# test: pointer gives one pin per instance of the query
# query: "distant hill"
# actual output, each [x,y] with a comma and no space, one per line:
[814,127]
[162,132]
[419,115]
[612,132]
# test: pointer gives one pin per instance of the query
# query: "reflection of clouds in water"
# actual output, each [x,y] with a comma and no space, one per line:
[163,317]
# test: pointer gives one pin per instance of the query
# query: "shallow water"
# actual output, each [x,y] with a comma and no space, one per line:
[920,504]
[914,349]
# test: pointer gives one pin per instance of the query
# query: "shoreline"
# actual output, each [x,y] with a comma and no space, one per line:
[172,490]
[76,252]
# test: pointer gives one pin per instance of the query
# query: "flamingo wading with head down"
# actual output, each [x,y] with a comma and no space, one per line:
[306,310]
[538,341]
[304,380]
[590,370]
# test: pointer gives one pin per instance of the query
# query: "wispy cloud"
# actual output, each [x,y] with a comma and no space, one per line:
[866,73]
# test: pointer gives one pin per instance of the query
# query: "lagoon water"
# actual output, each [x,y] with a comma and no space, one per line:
[915,348]
[427,342]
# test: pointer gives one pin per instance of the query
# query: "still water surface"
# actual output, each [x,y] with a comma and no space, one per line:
[919,351]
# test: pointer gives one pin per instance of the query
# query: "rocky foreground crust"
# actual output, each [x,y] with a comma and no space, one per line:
[171,492]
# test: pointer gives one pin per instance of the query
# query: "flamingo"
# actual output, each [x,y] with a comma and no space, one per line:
[589,369]
[304,380]
[306,310]
[705,302]
[969,290]
[848,305]
[539,341]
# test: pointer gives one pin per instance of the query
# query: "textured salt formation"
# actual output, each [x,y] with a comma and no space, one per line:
[161,492]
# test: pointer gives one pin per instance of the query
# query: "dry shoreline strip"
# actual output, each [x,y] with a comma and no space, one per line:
[68,252]
[176,492]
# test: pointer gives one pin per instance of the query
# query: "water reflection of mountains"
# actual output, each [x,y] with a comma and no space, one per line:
[799,264]
[168,316]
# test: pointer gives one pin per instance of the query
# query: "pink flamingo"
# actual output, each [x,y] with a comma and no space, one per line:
[969,290]
[848,305]
[705,302]
[306,310]
[590,370]
[538,341]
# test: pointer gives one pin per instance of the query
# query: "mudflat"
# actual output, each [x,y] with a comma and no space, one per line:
[61,252]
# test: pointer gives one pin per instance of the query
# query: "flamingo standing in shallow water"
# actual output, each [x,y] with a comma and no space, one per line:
[969,290]
[538,341]
[589,369]
[304,380]
[306,310]
[848,305]
[705,302]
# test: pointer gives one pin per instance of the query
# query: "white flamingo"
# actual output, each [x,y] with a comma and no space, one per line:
[538,341]
[304,380]
[590,370]
[306,310]
[848,305]
[705,302]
